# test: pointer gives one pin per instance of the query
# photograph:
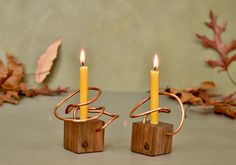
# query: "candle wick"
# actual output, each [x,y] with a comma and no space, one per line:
[155,68]
[82,63]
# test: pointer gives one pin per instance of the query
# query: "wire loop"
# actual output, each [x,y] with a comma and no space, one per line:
[75,107]
[161,109]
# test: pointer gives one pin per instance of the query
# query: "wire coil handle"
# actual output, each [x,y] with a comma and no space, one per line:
[75,107]
[161,109]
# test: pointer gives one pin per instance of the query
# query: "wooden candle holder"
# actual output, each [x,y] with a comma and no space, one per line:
[151,139]
[83,137]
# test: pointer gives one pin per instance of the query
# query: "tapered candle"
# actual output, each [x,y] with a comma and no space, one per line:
[83,86]
[154,90]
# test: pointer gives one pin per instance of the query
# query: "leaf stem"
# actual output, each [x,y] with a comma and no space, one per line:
[230,77]
[186,109]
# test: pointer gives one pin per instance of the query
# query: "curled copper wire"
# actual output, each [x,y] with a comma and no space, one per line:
[75,107]
[161,109]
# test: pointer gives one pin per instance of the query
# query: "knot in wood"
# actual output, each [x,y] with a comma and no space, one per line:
[146,146]
[84,144]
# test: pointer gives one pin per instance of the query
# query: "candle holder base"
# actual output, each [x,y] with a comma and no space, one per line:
[151,139]
[84,137]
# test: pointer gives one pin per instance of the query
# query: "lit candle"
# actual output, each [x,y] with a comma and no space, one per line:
[83,86]
[154,91]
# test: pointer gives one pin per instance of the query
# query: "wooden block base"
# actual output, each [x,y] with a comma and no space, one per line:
[82,137]
[151,139]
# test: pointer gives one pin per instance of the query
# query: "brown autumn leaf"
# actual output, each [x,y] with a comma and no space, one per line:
[202,96]
[3,72]
[217,44]
[45,90]
[225,110]
[207,85]
[229,100]
[12,86]
[224,50]
[45,61]
[15,74]
[10,97]
[185,96]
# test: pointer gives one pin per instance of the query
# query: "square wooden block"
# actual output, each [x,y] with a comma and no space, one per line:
[151,139]
[82,137]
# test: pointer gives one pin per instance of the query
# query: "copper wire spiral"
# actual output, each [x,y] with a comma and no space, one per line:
[75,107]
[162,109]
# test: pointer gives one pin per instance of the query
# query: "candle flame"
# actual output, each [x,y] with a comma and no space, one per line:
[155,62]
[82,57]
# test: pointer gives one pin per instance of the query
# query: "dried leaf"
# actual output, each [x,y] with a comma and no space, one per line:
[10,97]
[207,85]
[233,58]
[15,74]
[206,41]
[217,44]
[231,46]
[12,86]
[214,63]
[225,110]
[26,91]
[201,96]
[45,61]
[50,92]
[3,72]
[185,97]
[206,99]
[41,91]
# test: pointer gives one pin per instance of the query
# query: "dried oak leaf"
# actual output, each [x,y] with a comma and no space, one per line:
[3,72]
[225,110]
[41,91]
[207,85]
[26,91]
[185,96]
[45,61]
[201,96]
[12,86]
[50,92]
[218,45]
[15,74]
[195,95]
[10,97]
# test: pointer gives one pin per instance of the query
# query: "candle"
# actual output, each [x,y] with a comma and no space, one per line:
[83,86]
[154,91]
